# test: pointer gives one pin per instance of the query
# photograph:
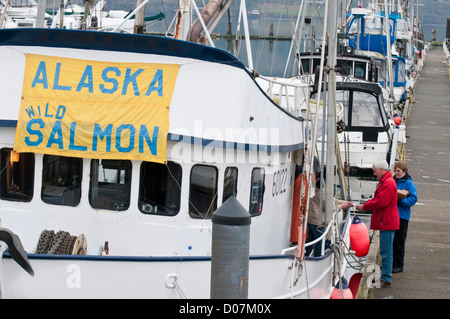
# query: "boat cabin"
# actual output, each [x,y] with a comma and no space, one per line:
[98,170]
[365,136]
[351,66]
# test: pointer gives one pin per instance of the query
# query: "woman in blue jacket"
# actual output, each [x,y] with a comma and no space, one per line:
[404,182]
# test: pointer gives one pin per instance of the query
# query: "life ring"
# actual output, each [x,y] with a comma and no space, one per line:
[297,209]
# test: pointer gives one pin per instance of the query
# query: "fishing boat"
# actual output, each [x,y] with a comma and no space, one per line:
[117,149]
[364,134]
[367,31]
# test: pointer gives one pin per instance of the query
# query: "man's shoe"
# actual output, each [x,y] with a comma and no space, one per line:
[385,284]
[397,269]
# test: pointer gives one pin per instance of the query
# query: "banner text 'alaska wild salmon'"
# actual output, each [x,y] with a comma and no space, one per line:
[95,109]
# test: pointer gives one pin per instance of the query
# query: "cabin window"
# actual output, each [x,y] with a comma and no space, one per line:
[365,110]
[257,191]
[346,67]
[373,25]
[16,175]
[230,183]
[373,72]
[203,191]
[383,110]
[401,74]
[343,96]
[383,73]
[306,65]
[110,184]
[160,188]
[360,70]
[61,180]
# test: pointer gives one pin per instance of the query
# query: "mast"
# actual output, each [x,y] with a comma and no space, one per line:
[309,156]
[331,114]
[40,16]
[184,19]
[139,19]
[388,44]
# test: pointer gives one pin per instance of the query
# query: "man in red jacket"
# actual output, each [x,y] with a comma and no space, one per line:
[385,217]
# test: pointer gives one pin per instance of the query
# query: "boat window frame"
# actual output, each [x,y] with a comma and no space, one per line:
[172,188]
[212,195]
[69,187]
[356,65]
[115,188]
[354,110]
[257,192]
[24,171]
[370,133]
[230,180]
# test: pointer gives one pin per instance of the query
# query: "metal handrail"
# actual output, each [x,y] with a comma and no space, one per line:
[286,250]
[285,88]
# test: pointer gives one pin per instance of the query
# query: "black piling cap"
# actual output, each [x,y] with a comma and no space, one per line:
[231,213]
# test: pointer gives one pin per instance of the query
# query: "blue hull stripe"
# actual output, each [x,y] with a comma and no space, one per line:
[208,142]
[151,259]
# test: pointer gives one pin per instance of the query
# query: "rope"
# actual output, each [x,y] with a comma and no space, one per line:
[180,291]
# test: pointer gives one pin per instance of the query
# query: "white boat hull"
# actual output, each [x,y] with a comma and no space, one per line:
[84,277]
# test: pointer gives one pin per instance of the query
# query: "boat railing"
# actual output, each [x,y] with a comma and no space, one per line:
[289,250]
[447,51]
[344,225]
[291,94]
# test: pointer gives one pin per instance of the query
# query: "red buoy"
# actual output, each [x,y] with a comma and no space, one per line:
[354,282]
[359,237]
[346,292]
[397,119]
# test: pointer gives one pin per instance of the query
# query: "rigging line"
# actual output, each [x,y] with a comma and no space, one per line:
[317,10]
[6,164]
[316,118]
[296,42]
[296,39]
[306,278]
[187,197]
[361,264]
[209,228]
[290,18]
[164,10]
[276,43]
[260,43]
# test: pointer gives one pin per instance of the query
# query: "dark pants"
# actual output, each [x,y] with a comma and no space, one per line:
[313,233]
[399,244]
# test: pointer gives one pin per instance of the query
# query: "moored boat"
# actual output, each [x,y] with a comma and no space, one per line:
[123,146]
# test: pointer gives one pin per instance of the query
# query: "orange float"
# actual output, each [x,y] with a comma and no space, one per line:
[354,283]
[359,237]
[346,292]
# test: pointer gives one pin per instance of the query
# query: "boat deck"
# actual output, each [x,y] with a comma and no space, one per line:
[426,273]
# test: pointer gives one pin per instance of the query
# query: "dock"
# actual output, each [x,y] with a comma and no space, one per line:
[426,273]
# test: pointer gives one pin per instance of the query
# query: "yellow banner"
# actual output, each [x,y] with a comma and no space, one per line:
[95,109]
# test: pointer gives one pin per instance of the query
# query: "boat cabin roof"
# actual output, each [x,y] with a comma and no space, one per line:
[363,108]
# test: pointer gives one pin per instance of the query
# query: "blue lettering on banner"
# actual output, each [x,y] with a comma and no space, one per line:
[38,133]
[110,76]
[131,78]
[105,78]
[87,75]
[98,133]
[72,145]
[125,135]
[56,131]
[119,137]
[56,85]
[41,76]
